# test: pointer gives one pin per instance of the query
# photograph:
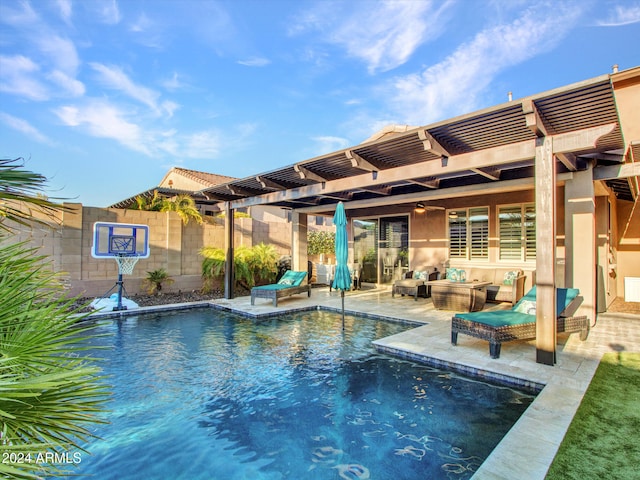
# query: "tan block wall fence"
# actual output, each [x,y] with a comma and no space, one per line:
[173,246]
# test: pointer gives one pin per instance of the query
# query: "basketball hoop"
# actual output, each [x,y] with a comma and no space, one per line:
[126,243]
[126,263]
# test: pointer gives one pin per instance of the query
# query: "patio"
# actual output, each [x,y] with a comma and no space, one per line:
[543,426]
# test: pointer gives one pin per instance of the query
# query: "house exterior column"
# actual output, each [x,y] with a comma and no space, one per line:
[545,184]
[580,231]
[299,241]
[229,270]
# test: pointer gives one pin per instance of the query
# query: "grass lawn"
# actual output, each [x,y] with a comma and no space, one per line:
[603,440]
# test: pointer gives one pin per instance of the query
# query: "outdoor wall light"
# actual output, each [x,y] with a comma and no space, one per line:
[420,208]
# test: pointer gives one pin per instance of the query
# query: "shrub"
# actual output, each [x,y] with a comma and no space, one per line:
[51,390]
[156,279]
[252,265]
[320,242]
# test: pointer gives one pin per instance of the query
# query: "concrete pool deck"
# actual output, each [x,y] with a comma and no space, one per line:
[540,430]
[542,427]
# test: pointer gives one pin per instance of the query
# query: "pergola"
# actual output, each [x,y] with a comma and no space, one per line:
[575,133]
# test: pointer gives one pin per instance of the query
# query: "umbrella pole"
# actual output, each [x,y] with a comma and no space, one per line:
[342,295]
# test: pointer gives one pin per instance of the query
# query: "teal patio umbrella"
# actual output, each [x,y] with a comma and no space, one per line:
[342,277]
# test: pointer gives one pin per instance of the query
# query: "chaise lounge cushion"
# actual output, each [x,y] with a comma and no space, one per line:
[291,278]
[289,284]
[500,326]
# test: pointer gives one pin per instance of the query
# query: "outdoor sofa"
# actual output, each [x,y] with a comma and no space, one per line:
[291,283]
[507,284]
[519,322]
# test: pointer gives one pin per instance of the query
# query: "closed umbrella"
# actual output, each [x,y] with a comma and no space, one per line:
[342,278]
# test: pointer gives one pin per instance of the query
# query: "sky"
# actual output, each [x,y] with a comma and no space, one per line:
[103,97]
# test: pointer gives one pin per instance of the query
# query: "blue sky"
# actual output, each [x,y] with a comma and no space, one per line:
[104,97]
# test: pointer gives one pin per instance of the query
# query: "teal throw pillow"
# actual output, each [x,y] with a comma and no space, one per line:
[452,274]
[420,275]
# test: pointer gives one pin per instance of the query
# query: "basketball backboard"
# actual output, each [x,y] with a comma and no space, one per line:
[120,239]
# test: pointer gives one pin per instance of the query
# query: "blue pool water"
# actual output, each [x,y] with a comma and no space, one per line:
[204,394]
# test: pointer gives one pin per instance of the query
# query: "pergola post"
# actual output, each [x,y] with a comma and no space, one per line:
[545,183]
[229,270]
[299,242]
[580,231]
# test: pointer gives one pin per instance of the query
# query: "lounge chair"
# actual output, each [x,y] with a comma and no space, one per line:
[289,284]
[413,284]
[519,322]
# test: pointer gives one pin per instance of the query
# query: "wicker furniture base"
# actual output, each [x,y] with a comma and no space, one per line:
[468,297]
[415,291]
[496,336]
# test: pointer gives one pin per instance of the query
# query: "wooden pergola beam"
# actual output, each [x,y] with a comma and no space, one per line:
[267,183]
[490,173]
[358,161]
[429,183]
[534,120]
[241,192]
[431,144]
[307,174]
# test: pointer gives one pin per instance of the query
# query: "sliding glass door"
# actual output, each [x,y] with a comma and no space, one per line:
[381,247]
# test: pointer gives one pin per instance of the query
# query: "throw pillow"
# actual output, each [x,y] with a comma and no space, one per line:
[286,281]
[509,277]
[462,275]
[526,306]
[452,274]
[421,275]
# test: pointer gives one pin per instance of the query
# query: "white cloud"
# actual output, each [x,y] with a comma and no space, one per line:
[622,15]
[66,9]
[141,25]
[169,107]
[325,144]
[255,62]
[73,87]
[174,83]
[113,77]
[454,85]
[24,127]
[19,78]
[205,144]
[101,119]
[383,34]
[60,51]
[18,17]
[108,11]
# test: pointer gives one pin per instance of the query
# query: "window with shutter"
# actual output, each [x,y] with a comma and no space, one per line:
[479,233]
[517,230]
[469,233]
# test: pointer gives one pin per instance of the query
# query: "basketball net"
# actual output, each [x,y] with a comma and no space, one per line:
[126,263]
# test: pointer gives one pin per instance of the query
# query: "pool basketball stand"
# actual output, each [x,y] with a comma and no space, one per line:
[126,244]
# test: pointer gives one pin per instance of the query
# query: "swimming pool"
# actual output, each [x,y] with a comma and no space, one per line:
[205,394]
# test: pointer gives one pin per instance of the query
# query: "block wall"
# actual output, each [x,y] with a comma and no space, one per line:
[67,241]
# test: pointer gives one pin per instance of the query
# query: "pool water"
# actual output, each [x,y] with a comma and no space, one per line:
[205,394]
